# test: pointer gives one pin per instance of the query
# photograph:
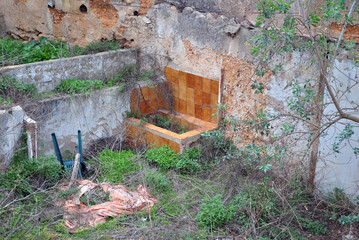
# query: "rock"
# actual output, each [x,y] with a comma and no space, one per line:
[128,2]
[146,20]
[232,28]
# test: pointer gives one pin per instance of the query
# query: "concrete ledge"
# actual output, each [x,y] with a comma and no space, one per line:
[151,134]
[48,74]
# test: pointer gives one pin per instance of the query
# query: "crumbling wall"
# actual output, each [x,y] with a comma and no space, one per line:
[98,115]
[11,126]
[49,74]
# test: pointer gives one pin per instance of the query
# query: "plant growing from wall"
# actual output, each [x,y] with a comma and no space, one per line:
[13,52]
[309,30]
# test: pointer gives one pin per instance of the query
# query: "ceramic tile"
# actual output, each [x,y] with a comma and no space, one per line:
[176,104]
[174,74]
[198,97]
[190,94]
[206,85]
[198,83]
[163,141]
[190,108]
[152,91]
[182,92]
[182,106]
[182,81]
[144,108]
[175,146]
[206,98]
[168,73]
[214,87]
[149,137]
[145,93]
[155,103]
[156,140]
[191,80]
[175,91]
[206,114]
[198,111]
[214,100]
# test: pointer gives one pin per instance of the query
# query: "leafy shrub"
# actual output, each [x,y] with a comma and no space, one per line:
[216,147]
[72,86]
[114,166]
[12,90]
[213,213]
[164,156]
[16,52]
[188,161]
[314,227]
[158,180]
[96,47]
[23,173]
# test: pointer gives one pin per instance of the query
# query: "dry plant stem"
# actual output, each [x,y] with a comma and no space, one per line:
[74,171]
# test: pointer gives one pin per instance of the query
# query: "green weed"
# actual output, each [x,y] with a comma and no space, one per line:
[73,86]
[114,166]
[213,213]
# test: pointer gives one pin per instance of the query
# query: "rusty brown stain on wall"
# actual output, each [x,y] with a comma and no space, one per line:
[239,97]
[351,32]
[145,5]
[57,16]
[105,12]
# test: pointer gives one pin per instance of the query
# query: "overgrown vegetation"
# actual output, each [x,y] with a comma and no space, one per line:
[15,52]
[158,119]
[199,197]
[13,91]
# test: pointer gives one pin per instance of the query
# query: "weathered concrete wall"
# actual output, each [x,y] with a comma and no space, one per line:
[47,75]
[340,169]
[98,115]
[11,125]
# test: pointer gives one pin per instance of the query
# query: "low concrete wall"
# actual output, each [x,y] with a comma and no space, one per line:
[98,115]
[11,124]
[47,75]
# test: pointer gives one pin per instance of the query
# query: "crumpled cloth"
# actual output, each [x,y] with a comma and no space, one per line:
[121,201]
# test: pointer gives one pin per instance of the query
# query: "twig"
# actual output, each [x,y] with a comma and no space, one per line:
[74,171]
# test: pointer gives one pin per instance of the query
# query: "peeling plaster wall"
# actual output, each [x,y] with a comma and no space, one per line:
[47,75]
[11,125]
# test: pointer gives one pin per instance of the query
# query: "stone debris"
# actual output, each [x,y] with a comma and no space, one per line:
[232,28]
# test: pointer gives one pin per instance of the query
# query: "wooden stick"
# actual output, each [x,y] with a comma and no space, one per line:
[74,171]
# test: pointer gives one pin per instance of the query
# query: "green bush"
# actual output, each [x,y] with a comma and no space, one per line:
[114,166]
[16,52]
[314,227]
[23,173]
[213,213]
[158,181]
[188,161]
[12,90]
[164,156]
[72,86]
[96,47]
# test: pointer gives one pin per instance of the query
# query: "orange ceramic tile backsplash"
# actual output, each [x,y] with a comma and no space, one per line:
[192,93]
